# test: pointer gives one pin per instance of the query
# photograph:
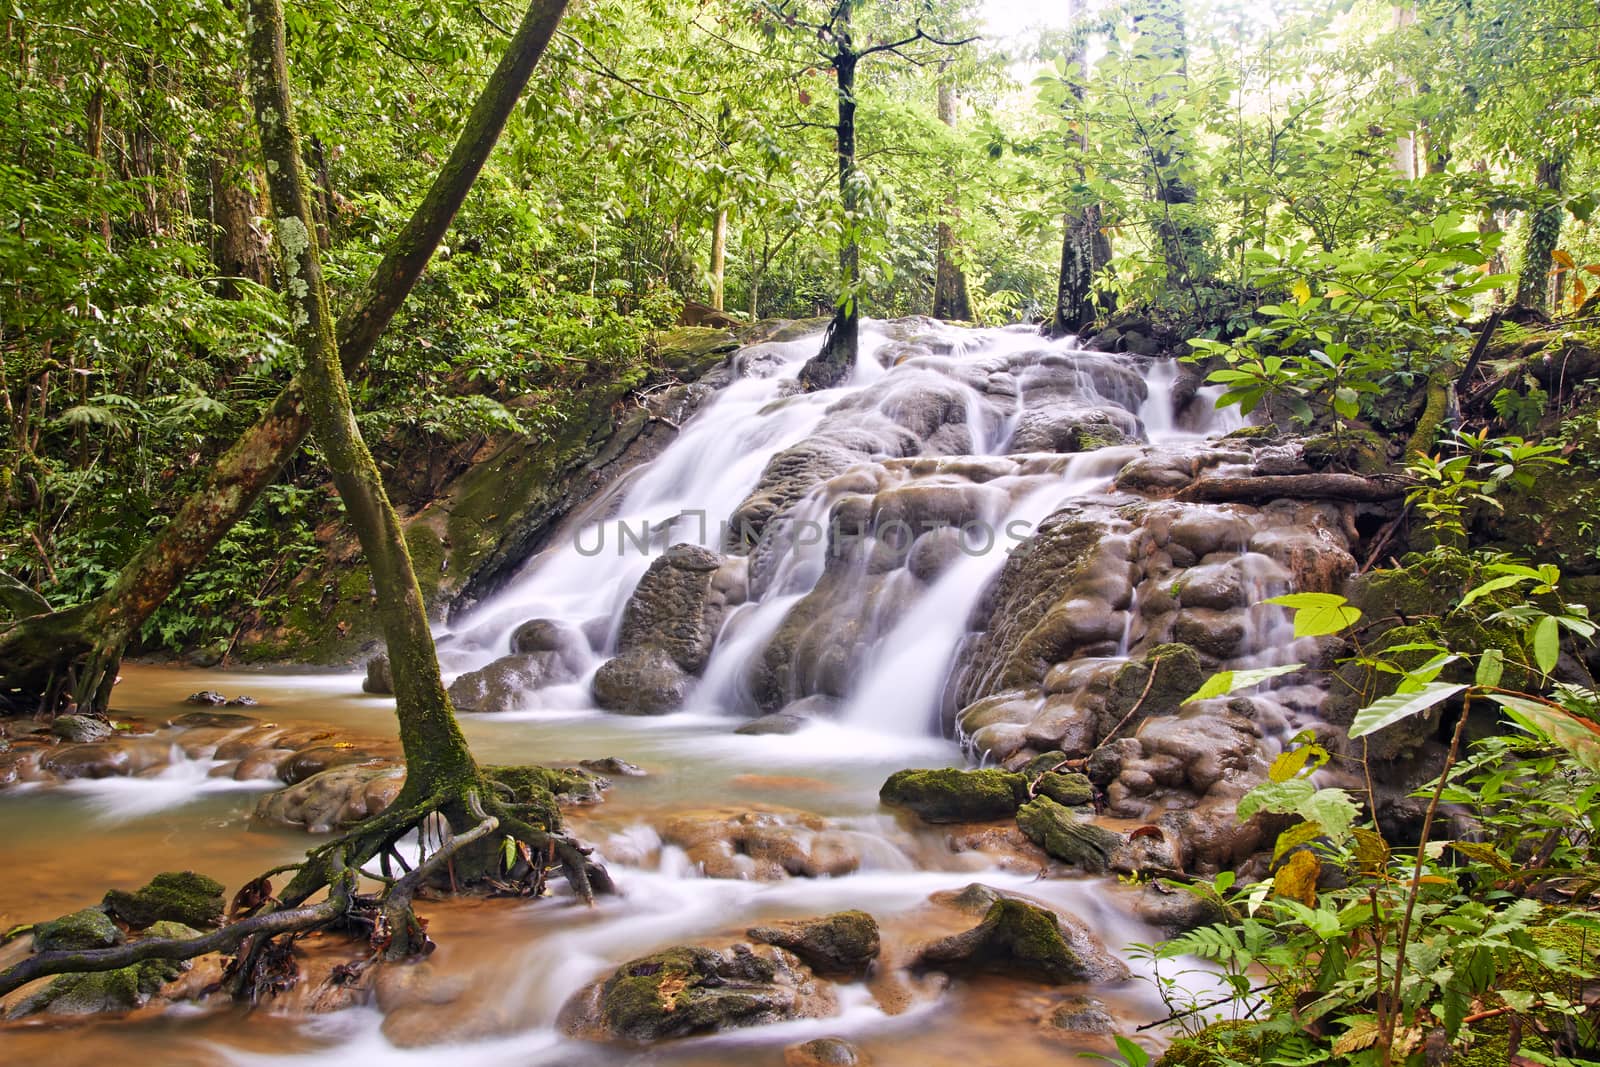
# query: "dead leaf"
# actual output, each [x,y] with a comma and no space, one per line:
[1297,878]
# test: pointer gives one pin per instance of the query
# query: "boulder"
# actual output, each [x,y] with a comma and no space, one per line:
[1071,790]
[548,635]
[676,607]
[823,1052]
[1022,940]
[380,678]
[779,722]
[504,684]
[173,896]
[333,799]
[641,681]
[840,945]
[206,698]
[1066,837]
[1080,1015]
[951,795]
[612,765]
[80,728]
[765,844]
[691,990]
[98,992]
[89,928]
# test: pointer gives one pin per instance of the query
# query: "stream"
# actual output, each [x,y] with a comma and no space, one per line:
[963,425]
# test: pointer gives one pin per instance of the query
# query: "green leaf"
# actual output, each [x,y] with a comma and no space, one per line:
[1318,614]
[1225,682]
[1578,736]
[1491,665]
[1547,643]
[1386,711]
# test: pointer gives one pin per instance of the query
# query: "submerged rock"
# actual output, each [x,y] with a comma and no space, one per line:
[1022,940]
[173,896]
[380,677]
[843,944]
[335,798]
[951,795]
[612,765]
[691,989]
[766,844]
[206,697]
[1080,1015]
[99,992]
[779,722]
[823,1052]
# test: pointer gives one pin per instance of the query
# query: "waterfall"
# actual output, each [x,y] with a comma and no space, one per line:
[886,506]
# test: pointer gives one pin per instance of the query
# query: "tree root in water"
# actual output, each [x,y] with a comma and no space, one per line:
[388,919]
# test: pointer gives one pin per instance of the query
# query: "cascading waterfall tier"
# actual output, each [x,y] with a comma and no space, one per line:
[975,534]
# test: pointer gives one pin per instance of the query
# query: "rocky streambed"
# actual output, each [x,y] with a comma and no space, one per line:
[803,622]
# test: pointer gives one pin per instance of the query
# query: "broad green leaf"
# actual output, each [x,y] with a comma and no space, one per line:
[1547,643]
[1318,614]
[1578,736]
[1491,665]
[1386,711]
[1285,797]
[1225,682]
[1333,810]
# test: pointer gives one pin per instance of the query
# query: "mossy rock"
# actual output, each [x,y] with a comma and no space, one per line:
[1264,431]
[1215,1046]
[1066,837]
[1019,940]
[98,992]
[1071,790]
[842,944]
[692,350]
[1178,671]
[89,928]
[175,896]
[691,989]
[1358,451]
[533,791]
[951,795]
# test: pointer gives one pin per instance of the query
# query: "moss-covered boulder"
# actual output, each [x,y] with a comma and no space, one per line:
[1023,940]
[1066,837]
[690,989]
[89,928]
[1178,673]
[951,795]
[99,992]
[843,944]
[1355,450]
[174,896]
[1071,790]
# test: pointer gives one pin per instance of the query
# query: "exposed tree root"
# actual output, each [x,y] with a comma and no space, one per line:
[472,856]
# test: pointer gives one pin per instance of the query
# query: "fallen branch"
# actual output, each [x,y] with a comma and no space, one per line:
[1256,490]
[225,939]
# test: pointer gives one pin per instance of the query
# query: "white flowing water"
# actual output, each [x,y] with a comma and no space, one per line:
[529,958]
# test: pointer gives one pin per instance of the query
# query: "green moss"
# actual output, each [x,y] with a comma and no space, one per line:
[951,795]
[176,896]
[1361,451]
[1215,1046]
[1252,433]
[1178,673]
[532,791]
[692,349]
[89,928]
[842,944]
[1071,790]
[1434,410]
[1065,836]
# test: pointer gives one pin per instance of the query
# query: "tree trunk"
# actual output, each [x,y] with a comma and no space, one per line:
[719,256]
[435,750]
[241,249]
[842,343]
[1180,234]
[1085,249]
[74,654]
[950,297]
[1544,235]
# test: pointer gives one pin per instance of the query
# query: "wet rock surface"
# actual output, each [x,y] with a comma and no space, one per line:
[1023,940]
[951,795]
[691,989]
[839,945]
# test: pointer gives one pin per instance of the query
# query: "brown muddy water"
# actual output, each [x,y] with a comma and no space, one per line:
[519,961]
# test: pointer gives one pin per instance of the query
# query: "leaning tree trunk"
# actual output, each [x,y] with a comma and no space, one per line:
[71,657]
[842,343]
[435,750]
[950,297]
[1544,234]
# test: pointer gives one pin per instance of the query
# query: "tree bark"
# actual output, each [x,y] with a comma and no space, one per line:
[73,655]
[1180,235]
[842,343]
[719,256]
[1264,488]
[1544,235]
[1085,249]
[950,297]
[435,750]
